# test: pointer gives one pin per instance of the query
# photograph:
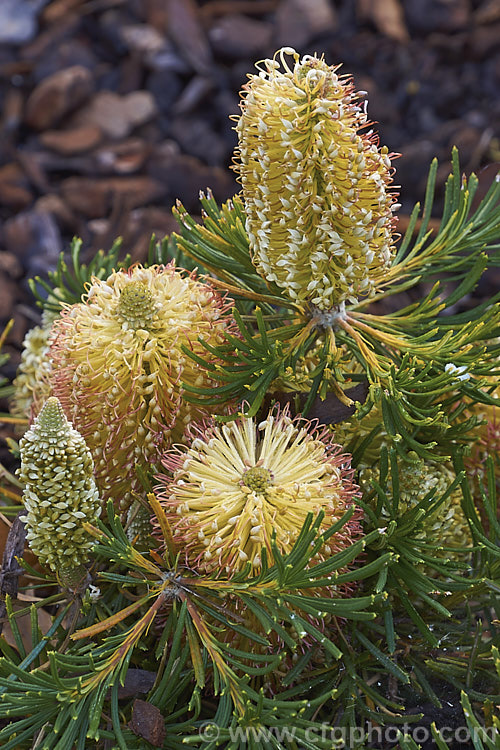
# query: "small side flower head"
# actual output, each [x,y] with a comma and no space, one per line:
[235,486]
[60,493]
[299,378]
[32,382]
[119,366]
[354,431]
[316,188]
[487,444]
[446,526]
[32,386]
[138,526]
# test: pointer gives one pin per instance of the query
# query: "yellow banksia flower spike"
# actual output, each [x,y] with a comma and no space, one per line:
[60,493]
[119,366]
[316,185]
[235,485]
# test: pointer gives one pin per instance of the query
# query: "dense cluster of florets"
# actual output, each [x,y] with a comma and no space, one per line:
[32,383]
[235,486]
[119,365]
[59,490]
[316,189]
[487,444]
[444,528]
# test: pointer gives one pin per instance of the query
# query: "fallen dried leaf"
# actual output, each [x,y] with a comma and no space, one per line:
[5,526]
[487,12]
[299,21]
[147,722]
[236,35]
[24,623]
[94,198]
[14,188]
[124,157]
[116,116]
[35,239]
[327,411]
[249,7]
[136,681]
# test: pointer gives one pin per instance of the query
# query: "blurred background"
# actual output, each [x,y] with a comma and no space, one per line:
[112,109]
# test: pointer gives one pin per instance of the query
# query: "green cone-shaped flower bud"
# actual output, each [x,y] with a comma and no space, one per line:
[138,526]
[60,493]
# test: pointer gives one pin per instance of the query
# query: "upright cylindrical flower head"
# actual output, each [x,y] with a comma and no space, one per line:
[316,188]
[60,493]
[235,485]
[119,366]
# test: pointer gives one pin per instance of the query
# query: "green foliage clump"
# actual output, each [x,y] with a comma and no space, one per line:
[357,616]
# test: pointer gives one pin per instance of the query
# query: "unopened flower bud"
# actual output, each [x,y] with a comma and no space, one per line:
[60,493]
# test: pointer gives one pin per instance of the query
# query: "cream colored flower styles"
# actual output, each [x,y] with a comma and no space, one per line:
[315,188]
[32,385]
[237,484]
[32,380]
[60,492]
[119,366]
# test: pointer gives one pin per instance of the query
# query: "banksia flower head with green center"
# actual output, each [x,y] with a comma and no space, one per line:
[119,366]
[315,187]
[234,485]
[60,493]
